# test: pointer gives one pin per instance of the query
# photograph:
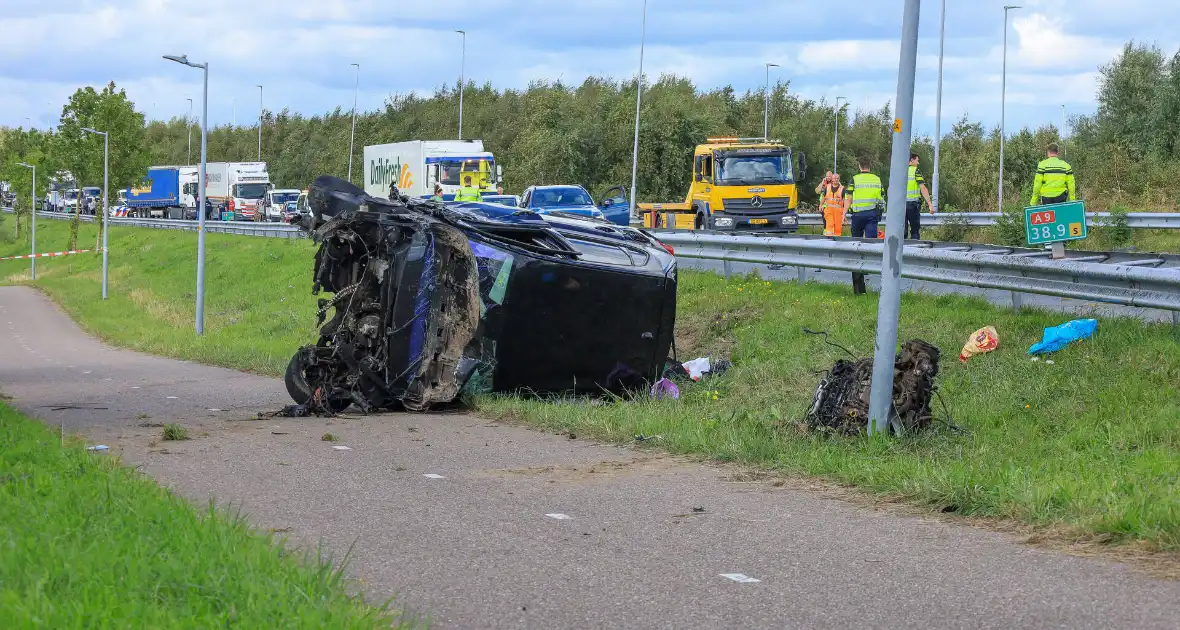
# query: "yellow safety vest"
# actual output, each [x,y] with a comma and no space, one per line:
[1054,178]
[912,191]
[866,193]
[467,193]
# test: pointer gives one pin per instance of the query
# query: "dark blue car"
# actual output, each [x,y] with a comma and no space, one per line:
[575,200]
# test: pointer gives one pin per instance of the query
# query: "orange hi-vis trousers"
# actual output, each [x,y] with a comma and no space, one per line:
[834,212]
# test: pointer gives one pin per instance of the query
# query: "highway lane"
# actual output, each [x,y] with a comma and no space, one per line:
[481,524]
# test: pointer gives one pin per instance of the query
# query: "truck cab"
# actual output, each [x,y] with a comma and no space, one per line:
[738,184]
[248,185]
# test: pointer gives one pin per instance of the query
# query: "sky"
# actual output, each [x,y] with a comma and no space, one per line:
[301,51]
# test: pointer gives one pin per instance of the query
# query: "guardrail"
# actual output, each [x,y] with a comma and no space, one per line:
[1137,220]
[244,228]
[1143,280]
[1151,282]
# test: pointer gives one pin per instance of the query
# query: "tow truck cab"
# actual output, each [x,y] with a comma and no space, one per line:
[737,184]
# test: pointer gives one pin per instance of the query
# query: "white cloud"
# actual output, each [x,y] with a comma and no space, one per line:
[301,49]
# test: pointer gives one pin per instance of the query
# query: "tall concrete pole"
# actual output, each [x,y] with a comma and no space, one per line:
[260,123]
[938,105]
[889,304]
[352,137]
[1003,105]
[462,79]
[766,103]
[638,102]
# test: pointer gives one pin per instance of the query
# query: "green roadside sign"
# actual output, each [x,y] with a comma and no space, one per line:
[1055,223]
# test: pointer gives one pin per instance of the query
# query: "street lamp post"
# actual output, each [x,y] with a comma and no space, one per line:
[260,123]
[33,201]
[106,152]
[1003,104]
[462,79]
[188,130]
[938,105]
[352,137]
[201,183]
[638,101]
[766,103]
[1062,134]
[889,304]
[836,134]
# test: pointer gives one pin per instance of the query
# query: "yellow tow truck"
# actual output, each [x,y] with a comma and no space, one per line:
[738,184]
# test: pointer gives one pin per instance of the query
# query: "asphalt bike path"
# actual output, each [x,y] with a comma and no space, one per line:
[477,524]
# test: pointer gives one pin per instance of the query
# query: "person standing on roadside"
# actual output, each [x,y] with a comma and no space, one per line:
[467,192]
[831,195]
[438,193]
[865,202]
[915,192]
[1054,182]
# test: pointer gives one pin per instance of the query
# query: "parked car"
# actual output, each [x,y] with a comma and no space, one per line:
[442,299]
[505,200]
[575,200]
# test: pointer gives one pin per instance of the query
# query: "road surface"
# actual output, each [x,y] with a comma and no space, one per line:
[483,525]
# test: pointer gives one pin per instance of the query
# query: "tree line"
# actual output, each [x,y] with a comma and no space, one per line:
[1127,152]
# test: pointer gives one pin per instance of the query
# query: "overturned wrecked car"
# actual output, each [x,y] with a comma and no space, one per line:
[429,301]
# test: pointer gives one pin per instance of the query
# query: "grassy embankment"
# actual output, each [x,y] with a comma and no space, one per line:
[90,543]
[1087,447]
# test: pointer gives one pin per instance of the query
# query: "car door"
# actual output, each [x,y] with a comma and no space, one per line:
[616,206]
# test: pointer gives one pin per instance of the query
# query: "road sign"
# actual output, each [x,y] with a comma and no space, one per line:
[1055,223]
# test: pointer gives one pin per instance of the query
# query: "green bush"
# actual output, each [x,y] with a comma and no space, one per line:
[1009,229]
[1116,229]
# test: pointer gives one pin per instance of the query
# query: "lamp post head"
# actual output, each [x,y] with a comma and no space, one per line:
[772,65]
[358,66]
[1011,6]
[25,165]
[178,59]
[89,130]
[461,32]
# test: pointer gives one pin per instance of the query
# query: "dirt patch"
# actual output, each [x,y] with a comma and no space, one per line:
[601,471]
[712,334]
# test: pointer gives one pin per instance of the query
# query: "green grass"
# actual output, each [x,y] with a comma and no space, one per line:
[258,302]
[1089,446]
[175,432]
[89,543]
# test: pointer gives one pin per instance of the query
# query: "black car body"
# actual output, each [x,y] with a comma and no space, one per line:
[430,299]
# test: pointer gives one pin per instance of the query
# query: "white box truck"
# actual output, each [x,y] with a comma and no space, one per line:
[248,183]
[416,165]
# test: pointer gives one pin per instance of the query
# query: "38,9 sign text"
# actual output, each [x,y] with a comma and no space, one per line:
[1050,231]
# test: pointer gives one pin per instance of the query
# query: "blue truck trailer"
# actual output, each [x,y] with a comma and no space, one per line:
[161,194]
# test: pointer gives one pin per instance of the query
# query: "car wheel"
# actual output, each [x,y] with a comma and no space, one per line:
[299,389]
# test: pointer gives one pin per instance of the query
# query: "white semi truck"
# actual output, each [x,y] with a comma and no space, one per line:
[416,165]
[248,183]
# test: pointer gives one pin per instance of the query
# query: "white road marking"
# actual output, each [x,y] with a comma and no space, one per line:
[560,517]
[433,476]
[342,448]
[172,398]
[740,578]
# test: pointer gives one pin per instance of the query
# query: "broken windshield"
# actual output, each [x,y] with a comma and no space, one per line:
[737,169]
